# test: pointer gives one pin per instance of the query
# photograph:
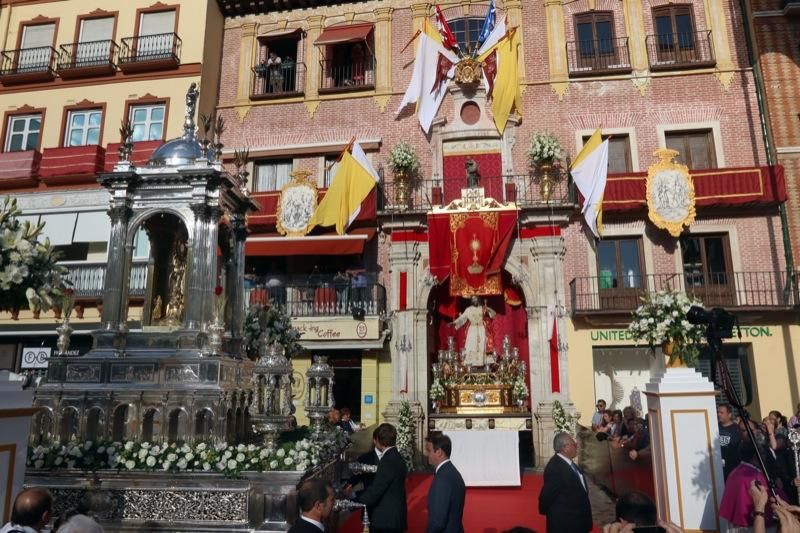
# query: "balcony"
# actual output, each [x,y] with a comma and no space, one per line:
[71,165]
[19,169]
[28,65]
[320,295]
[150,52]
[671,51]
[142,151]
[88,279]
[82,60]
[598,57]
[283,81]
[343,76]
[525,190]
[742,291]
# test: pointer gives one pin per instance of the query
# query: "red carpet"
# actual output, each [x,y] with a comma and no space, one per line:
[487,510]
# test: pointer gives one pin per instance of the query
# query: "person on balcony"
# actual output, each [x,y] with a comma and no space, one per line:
[275,73]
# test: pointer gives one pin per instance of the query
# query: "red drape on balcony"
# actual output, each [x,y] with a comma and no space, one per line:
[490,167]
[277,245]
[724,187]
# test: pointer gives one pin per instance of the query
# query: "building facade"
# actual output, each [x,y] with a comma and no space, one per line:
[71,73]
[664,75]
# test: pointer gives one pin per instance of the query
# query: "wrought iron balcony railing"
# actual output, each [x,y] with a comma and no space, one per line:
[150,51]
[88,279]
[284,80]
[526,190]
[94,56]
[28,64]
[317,295]
[601,56]
[680,50]
[347,75]
[741,290]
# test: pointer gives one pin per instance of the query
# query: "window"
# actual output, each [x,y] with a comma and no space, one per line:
[619,152]
[674,28]
[467,32]
[22,132]
[620,272]
[349,65]
[695,148]
[83,127]
[331,166]
[595,34]
[156,35]
[147,122]
[277,68]
[272,175]
[706,268]
[94,41]
[36,47]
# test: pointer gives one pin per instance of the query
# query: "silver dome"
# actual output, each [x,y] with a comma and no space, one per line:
[178,152]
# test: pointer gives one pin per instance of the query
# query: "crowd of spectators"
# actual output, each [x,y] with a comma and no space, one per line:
[624,429]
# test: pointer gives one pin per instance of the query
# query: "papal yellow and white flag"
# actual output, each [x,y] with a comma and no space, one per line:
[353,181]
[506,95]
[590,172]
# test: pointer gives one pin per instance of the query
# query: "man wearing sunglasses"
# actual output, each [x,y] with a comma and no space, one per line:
[597,417]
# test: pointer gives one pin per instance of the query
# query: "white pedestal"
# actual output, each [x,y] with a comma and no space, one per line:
[15,423]
[687,465]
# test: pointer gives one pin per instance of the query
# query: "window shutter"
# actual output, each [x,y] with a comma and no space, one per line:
[100,29]
[734,368]
[38,36]
[157,23]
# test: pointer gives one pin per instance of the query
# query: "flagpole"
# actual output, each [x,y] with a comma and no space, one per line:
[411,41]
[346,149]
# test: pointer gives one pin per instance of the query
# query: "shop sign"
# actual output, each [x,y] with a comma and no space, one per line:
[616,335]
[337,329]
[35,356]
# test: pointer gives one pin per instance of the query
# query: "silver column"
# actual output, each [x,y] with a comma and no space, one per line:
[235,285]
[115,271]
[193,314]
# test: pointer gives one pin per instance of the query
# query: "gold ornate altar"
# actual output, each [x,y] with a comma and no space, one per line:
[482,394]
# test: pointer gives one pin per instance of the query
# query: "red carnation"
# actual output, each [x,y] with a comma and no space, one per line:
[218,290]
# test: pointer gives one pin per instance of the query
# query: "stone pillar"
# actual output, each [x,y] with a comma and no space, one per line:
[235,275]
[116,268]
[716,21]
[557,46]
[634,28]
[312,62]
[383,59]
[247,60]
[684,439]
[513,9]
[195,276]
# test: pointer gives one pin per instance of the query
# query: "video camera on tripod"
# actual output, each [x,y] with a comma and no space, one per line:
[719,322]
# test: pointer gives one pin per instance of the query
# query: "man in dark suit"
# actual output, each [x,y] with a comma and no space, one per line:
[386,496]
[447,492]
[315,499]
[370,458]
[564,499]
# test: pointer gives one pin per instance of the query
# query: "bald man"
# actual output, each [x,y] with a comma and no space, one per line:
[32,511]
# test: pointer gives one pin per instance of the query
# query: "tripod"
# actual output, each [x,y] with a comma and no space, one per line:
[722,379]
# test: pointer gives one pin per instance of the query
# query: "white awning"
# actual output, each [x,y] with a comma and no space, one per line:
[59,227]
[92,226]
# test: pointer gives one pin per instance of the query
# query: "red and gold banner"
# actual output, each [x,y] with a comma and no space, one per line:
[471,247]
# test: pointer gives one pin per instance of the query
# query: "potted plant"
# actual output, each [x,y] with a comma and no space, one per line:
[404,163]
[661,320]
[544,152]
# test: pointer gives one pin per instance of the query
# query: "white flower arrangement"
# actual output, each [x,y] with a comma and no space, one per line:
[405,434]
[520,389]
[564,423]
[222,458]
[437,390]
[403,158]
[29,275]
[662,318]
[545,149]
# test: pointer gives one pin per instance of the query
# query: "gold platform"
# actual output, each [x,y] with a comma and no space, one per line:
[479,399]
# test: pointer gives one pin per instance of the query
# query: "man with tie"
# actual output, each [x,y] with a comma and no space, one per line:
[386,496]
[447,492]
[315,499]
[564,499]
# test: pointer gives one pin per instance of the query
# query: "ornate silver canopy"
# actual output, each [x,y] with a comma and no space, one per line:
[186,150]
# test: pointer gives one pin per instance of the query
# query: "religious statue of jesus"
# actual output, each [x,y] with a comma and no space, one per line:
[476,345]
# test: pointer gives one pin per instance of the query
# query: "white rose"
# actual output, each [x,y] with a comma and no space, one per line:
[281,453]
[129,445]
[221,465]
[151,461]
[273,464]
[145,445]
[226,455]
[166,466]
[182,464]
[111,450]
[206,467]
[38,464]
[189,456]
[288,461]
[171,457]
[201,446]
[129,464]
[240,457]
[231,465]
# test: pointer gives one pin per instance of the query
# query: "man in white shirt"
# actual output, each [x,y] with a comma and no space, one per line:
[316,500]
[597,417]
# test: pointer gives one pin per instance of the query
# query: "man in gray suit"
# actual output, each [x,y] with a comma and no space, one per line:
[447,492]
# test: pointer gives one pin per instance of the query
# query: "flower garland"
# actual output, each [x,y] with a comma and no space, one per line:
[272,322]
[405,434]
[403,158]
[564,423]
[544,149]
[222,458]
[29,275]
[662,318]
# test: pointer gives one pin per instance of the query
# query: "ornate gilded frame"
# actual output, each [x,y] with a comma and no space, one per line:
[298,199]
[670,193]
